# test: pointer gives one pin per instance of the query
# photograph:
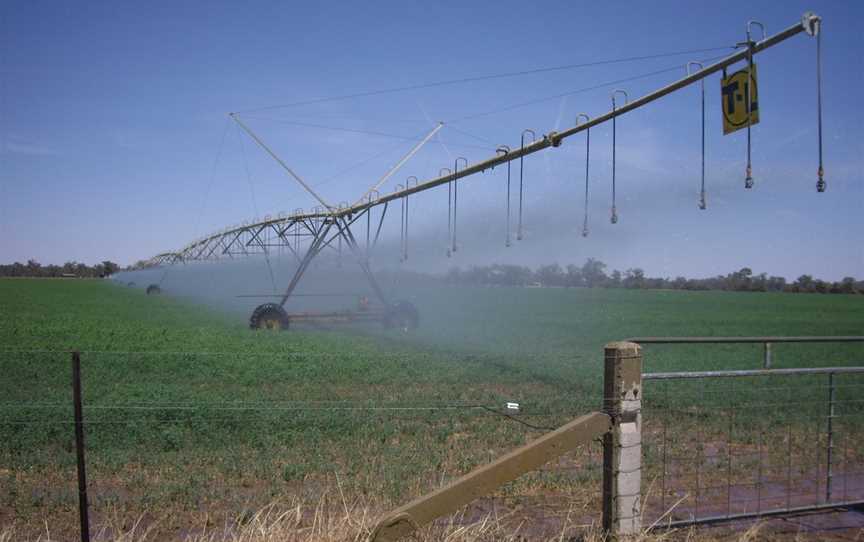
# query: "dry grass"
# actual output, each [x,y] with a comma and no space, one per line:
[341,520]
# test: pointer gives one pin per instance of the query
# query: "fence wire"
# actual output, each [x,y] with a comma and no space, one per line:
[734,447]
[158,443]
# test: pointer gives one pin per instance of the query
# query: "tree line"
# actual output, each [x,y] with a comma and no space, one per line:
[69,269]
[593,274]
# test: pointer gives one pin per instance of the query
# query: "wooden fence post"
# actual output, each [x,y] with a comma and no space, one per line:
[622,446]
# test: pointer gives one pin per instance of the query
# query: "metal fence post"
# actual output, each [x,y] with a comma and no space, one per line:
[829,471]
[79,447]
[767,358]
[622,446]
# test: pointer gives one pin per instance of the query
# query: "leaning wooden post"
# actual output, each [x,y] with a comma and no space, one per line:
[622,446]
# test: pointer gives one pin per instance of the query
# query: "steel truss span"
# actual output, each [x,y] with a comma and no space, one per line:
[305,234]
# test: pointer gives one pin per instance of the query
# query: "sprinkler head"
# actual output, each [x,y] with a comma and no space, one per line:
[614,218]
[820,184]
[748,180]
[584,232]
[702,203]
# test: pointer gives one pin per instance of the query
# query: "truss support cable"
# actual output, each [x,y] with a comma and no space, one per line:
[414,150]
[521,170]
[255,205]
[482,78]
[269,151]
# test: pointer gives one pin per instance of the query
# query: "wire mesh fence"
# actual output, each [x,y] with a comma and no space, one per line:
[727,447]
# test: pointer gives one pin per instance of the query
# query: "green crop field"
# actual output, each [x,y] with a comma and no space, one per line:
[189,410]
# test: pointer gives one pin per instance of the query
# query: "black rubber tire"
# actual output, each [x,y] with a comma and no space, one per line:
[402,315]
[130,284]
[154,289]
[269,316]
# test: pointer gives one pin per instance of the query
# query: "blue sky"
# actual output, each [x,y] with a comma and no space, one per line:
[116,145]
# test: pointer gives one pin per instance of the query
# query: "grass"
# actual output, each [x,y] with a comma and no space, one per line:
[188,410]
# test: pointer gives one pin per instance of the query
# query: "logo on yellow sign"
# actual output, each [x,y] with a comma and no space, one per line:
[734,98]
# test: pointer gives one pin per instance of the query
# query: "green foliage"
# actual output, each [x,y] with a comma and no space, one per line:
[179,397]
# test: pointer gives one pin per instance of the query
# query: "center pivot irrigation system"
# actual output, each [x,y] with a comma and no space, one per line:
[306,234]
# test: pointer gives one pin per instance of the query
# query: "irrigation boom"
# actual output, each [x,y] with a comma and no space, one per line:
[317,226]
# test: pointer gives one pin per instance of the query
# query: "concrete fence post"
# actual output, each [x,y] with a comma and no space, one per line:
[622,446]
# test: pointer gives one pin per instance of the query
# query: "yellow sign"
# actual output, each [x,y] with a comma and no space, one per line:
[734,97]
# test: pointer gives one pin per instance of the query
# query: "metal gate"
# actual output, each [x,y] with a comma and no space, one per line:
[725,445]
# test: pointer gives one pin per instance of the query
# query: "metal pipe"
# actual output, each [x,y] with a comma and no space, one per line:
[790,339]
[399,187]
[702,202]
[505,150]
[521,169]
[614,217]
[748,181]
[79,447]
[449,206]
[690,375]
[455,195]
[815,28]
[746,515]
[587,158]
[408,184]
[829,471]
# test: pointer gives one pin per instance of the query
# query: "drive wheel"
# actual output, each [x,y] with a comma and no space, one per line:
[269,316]
[402,315]
[154,289]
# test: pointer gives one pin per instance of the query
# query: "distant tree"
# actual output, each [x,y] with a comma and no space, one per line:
[109,268]
[593,273]
[634,278]
[33,268]
[847,285]
[573,276]
[776,284]
[760,283]
[804,283]
[550,275]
